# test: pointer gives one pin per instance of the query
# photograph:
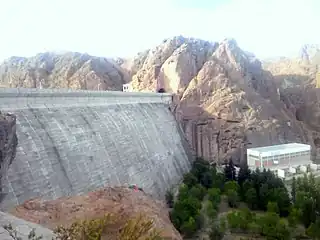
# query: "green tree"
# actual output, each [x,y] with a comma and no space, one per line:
[183,192]
[190,180]
[189,227]
[268,223]
[263,196]
[306,204]
[293,189]
[282,230]
[197,191]
[216,232]
[214,196]
[231,185]
[210,210]
[273,207]
[244,174]
[230,171]
[282,198]
[183,210]
[252,198]
[218,180]
[199,167]
[313,230]
[294,216]
[233,198]
[233,219]
[207,179]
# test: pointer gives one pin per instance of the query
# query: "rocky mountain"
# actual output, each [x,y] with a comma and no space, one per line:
[66,70]
[225,100]
[301,70]
[298,80]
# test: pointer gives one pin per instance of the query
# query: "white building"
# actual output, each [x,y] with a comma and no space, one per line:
[126,87]
[281,156]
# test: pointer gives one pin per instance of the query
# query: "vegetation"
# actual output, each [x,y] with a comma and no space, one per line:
[101,228]
[260,204]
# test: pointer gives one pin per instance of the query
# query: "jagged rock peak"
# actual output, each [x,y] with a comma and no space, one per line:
[309,51]
[63,70]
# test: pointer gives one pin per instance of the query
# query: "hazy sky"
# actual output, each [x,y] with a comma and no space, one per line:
[123,27]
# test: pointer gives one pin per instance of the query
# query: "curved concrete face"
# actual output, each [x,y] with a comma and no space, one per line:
[74,142]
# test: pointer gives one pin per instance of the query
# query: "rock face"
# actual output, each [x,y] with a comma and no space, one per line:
[69,70]
[225,100]
[298,80]
[298,71]
[8,144]
[123,202]
[304,104]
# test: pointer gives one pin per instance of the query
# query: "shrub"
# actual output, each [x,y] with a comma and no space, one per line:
[183,192]
[272,207]
[183,210]
[197,192]
[189,227]
[210,210]
[214,196]
[190,180]
[95,229]
[252,198]
[216,233]
[231,185]
[232,198]
[207,179]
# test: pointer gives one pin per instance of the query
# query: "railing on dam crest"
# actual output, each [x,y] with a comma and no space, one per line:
[16,98]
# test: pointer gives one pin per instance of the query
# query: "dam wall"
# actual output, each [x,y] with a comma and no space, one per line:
[72,142]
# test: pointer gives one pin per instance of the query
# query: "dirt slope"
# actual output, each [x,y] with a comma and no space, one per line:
[123,202]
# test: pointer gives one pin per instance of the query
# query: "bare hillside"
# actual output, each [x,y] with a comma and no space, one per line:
[68,70]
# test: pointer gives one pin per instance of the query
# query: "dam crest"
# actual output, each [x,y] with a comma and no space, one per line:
[72,141]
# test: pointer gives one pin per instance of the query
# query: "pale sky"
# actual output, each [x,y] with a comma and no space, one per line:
[122,28]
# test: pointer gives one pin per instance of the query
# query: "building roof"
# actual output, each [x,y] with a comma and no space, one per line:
[280,149]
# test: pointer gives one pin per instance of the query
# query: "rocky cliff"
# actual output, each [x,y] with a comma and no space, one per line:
[297,71]
[68,70]
[8,143]
[226,101]
[298,80]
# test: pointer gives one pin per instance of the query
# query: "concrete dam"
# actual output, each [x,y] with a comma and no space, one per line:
[72,142]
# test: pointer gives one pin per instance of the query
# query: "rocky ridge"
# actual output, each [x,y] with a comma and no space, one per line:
[299,71]
[226,101]
[66,70]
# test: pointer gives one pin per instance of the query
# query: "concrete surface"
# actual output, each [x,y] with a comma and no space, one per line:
[22,227]
[72,142]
